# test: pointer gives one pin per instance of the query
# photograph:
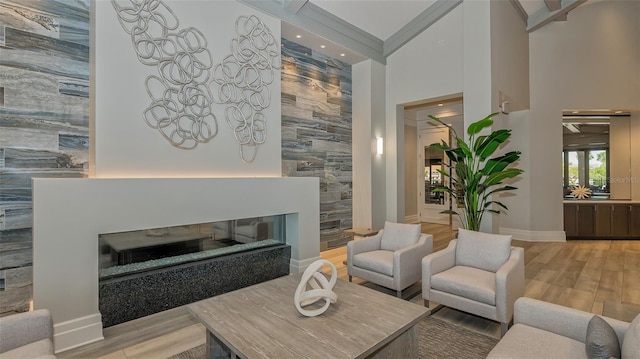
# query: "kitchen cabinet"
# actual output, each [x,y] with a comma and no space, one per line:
[603,220]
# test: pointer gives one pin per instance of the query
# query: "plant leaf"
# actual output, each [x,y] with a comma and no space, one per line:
[496,178]
[477,126]
[499,163]
[491,143]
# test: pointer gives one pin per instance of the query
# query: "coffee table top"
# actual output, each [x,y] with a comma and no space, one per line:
[261,321]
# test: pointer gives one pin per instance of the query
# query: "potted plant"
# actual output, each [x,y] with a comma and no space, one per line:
[474,176]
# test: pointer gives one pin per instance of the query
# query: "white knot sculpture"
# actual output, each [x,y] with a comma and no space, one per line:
[322,289]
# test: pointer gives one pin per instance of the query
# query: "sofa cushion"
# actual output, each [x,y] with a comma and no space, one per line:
[525,342]
[399,235]
[601,341]
[468,282]
[631,341]
[482,250]
[377,261]
[40,349]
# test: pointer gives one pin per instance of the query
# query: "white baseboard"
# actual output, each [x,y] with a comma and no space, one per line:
[77,332]
[535,236]
[296,266]
[414,218]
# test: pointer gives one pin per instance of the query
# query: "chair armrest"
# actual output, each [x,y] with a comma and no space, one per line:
[510,284]
[367,244]
[435,263]
[20,329]
[406,261]
[561,320]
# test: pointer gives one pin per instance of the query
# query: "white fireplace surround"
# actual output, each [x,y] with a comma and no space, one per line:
[68,215]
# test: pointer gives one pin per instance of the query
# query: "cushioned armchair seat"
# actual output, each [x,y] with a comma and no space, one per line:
[478,273]
[547,330]
[391,258]
[27,335]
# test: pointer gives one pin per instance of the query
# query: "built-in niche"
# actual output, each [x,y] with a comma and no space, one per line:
[596,153]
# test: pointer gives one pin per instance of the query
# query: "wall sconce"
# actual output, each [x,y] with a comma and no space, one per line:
[380,146]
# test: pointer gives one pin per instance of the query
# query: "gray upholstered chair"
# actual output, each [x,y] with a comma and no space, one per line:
[391,258]
[27,335]
[478,273]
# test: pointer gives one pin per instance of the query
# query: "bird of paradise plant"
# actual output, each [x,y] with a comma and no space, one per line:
[474,177]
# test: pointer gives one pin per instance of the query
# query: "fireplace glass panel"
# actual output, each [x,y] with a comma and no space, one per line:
[124,253]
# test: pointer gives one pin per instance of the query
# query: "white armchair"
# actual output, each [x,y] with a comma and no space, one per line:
[391,258]
[478,273]
[27,335]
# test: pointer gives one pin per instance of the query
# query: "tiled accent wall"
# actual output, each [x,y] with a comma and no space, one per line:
[316,134]
[44,122]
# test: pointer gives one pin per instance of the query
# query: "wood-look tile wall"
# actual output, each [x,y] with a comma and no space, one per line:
[316,134]
[44,121]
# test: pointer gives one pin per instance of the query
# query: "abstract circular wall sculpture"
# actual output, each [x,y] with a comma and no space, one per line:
[321,289]
[241,80]
[181,100]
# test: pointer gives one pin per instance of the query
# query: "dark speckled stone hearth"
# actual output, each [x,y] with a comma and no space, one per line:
[127,298]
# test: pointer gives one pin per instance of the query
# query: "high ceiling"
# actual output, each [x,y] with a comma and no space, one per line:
[387,21]
[356,30]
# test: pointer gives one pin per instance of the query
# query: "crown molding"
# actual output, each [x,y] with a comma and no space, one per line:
[544,16]
[316,20]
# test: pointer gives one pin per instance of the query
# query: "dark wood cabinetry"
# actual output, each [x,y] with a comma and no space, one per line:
[602,220]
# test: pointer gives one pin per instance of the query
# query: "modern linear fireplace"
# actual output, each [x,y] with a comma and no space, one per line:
[71,214]
[147,271]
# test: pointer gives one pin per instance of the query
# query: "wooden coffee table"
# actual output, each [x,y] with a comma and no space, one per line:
[261,321]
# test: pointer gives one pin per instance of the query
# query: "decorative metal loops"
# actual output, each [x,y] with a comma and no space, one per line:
[180,96]
[242,81]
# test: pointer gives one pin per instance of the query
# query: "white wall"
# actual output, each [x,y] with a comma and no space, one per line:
[410,172]
[509,57]
[65,237]
[368,124]
[429,66]
[125,146]
[591,61]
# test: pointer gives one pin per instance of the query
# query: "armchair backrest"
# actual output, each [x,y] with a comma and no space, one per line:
[399,235]
[484,251]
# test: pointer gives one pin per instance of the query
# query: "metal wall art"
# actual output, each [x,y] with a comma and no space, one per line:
[187,83]
[181,101]
[242,81]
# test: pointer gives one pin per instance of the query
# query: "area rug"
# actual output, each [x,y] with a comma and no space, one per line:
[438,339]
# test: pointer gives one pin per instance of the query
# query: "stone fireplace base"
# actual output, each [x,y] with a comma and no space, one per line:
[142,294]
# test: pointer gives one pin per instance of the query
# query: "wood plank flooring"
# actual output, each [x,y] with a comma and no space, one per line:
[599,276]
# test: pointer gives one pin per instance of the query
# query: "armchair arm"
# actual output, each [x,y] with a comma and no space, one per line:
[406,261]
[561,320]
[367,244]
[20,329]
[509,284]
[435,263]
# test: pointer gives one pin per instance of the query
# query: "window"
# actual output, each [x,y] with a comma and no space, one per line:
[589,168]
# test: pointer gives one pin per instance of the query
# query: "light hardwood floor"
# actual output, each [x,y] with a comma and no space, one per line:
[602,277]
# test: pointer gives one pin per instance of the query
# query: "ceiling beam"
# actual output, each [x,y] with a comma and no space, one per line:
[295,5]
[553,5]
[520,10]
[544,16]
[418,24]
[316,20]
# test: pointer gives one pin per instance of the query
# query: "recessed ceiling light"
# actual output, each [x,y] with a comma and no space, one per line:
[298,36]
[342,55]
[440,104]
[322,46]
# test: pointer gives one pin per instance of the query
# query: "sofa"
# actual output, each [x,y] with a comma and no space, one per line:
[27,335]
[547,330]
